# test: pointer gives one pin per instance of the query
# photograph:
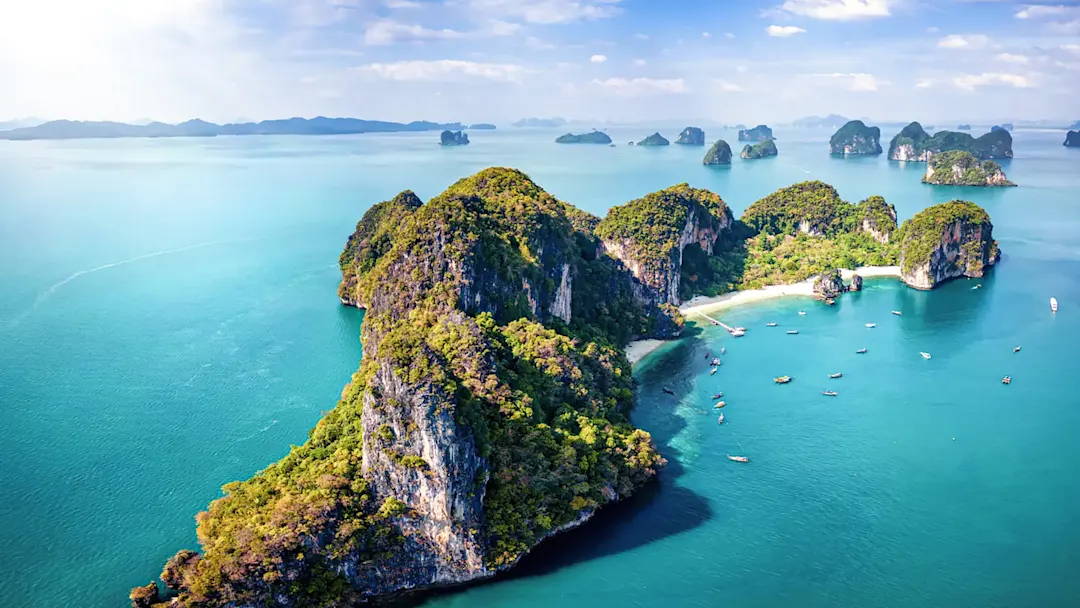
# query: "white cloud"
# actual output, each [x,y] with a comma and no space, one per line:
[1035,11]
[598,58]
[838,10]
[388,31]
[729,87]
[960,41]
[706,35]
[971,82]
[640,63]
[933,29]
[924,84]
[853,82]
[729,35]
[632,87]
[783,31]
[547,12]
[1075,48]
[445,70]
[740,69]
[403,4]
[640,36]
[498,27]
[1064,27]
[1014,58]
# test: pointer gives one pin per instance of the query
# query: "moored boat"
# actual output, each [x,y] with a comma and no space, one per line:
[925,355]
[770,324]
[739,458]
[669,391]
[793,331]
[871,325]
[782,379]
[718,395]
[719,405]
[1053,304]
[1006,380]
[723,350]
[715,362]
[713,371]
[829,393]
[1016,349]
[720,420]
[836,375]
[738,333]
[898,313]
[802,313]
[861,351]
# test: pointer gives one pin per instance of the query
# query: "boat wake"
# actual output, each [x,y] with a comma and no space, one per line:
[43,296]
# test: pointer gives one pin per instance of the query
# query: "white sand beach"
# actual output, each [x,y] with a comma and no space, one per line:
[636,350]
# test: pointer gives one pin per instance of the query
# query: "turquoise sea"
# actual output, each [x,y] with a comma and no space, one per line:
[168,323]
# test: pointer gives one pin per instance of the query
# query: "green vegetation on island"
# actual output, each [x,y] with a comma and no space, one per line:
[719,154]
[913,143]
[453,138]
[758,133]
[691,136]
[759,150]
[856,138]
[654,140]
[483,126]
[946,241]
[958,168]
[594,137]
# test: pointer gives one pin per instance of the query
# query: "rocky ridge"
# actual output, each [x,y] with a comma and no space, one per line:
[691,136]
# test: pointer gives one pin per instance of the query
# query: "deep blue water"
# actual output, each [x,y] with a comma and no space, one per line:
[168,323]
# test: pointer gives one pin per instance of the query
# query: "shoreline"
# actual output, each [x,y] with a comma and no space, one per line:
[639,349]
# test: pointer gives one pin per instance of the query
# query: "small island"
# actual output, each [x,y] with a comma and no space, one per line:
[540,122]
[654,140]
[691,136]
[856,138]
[1072,139]
[832,121]
[758,133]
[959,168]
[718,154]
[914,144]
[453,138]
[482,126]
[595,137]
[963,128]
[947,241]
[759,150]
[1002,127]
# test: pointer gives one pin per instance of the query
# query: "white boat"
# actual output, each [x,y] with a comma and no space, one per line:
[803,313]
[871,325]
[925,355]
[793,331]
[738,333]
[770,325]
[1053,304]
[898,313]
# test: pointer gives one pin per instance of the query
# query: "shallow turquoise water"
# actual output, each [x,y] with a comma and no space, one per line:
[168,323]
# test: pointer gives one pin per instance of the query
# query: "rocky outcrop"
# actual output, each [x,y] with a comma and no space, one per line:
[759,150]
[907,145]
[758,133]
[454,138]
[856,138]
[718,154]
[370,241]
[649,235]
[1072,139]
[915,144]
[145,596]
[963,128]
[654,140]
[595,137]
[856,283]
[691,136]
[947,241]
[956,168]
[877,218]
[482,126]
[828,285]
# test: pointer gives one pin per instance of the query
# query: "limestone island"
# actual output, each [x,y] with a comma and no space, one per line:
[959,168]
[856,138]
[1002,127]
[482,126]
[1072,139]
[491,406]
[759,150]
[758,133]
[453,138]
[691,136]
[914,144]
[595,137]
[654,140]
[718,154]
[963,128]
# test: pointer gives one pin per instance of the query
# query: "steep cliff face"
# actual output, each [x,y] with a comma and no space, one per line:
[877,218]
[856,138]
[907,145]
[370,241]
[913,143]
[762,149]
[489,412]
[691,136]
[758,133]
[454,138]
[649,235]
[719,154]
[828,285]
[947,241]
[955,168]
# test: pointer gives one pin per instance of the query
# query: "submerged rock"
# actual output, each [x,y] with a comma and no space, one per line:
[454,138]
[856,138]
[654,140]
[758,133]
[595,137]
[947,241]
[691,136]
[828,285]
[718,154]
[956,168]
[1072,139]
[759,150]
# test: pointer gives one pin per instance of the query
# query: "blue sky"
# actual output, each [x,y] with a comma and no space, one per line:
[500,60]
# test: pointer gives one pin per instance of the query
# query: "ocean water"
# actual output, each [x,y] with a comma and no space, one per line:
[168,323]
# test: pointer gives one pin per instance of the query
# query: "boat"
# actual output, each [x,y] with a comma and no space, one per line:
[925,355]
[718,395]
[742,329]
[1006,380]
[861,351]
[713,371]
[1016,349]
[802,313]
[715,362]
[723,350]
[719,405]
[836,375]
[782,379]
[979,286]
[829,393]
[720,420]
[770,325]
[898,313]
[707,355]
[793,331]
[739,458]
[738,333]
[669,391]
[1053,304]
[871,325]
